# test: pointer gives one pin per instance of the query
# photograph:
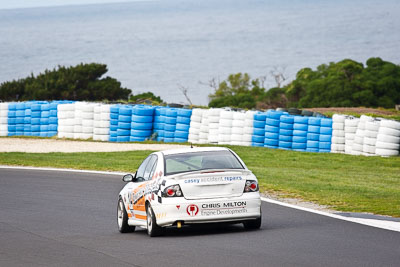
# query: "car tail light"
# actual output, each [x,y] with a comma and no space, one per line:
[250,186]
[173,191]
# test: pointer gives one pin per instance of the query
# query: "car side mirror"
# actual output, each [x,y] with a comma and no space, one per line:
[128,177]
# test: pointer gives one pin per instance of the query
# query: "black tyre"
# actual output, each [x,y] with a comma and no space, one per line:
[122,219]
[152,227]
[252,224]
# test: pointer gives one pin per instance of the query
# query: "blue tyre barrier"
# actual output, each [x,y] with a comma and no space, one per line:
[19,128]
[285,132]
[181,134]
[35,128]
[271,135]
[20,113]
[287,119]
[45,107]
[325,130]
[257,144]
[313,129]
[314,121]
[158,126]
[140,133]
[274,114]
[123,132]
[114,134]
[143,111]
[141,126]
[258,124]
[53,113]
[124,118]
[11,120]
[300,120]
[113,122]
[268,146]
[44,128]
[182,127]
[36,107]
[299,133]
[183,120]
[259,131]
[260,117]
[114,116]
[287,126]
[325,138]
[113,127]
[137,139]
[51,133]
[324,145]
[124,125]
[184,113]
[271,142]
[45,114]
[284,144]
[53,120]
[124,111]
[168,139]
[169,134]
[28,112]
[44,121]
[310,149]
[53,127]
[286,138]
[180,140]
[19,120]
[170,127]
[326,123]
[272,122]
[257,139]
[324,150]
[123,138]
[312,137]
[301,127]
[296,145]
[114,109]
[312,144]
[35,114]
[112,138]
[11,113]
[142,119]
[271,129]
[299,139]
[170,120]
[171,112]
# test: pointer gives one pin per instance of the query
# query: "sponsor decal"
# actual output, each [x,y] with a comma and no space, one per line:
[213,179]
[192,210]
[178,206]
[224,208]
[223,212]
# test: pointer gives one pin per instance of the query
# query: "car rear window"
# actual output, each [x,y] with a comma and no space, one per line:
[196,161]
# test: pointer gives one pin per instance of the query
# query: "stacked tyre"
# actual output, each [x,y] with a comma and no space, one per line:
[300,128]
[313,131]
[44,119]
[203,135]
[213,125]
[358,143]
[182,125]
[195,123]
[3,119]
[158,123]
[258,137]
[225,127]
[237,128]
[53,121]
[325,135]
[370,135]
[88,120]
[350,129]
[78,119]
[388,138]
[11,119]
[248,128]
[66,119]
[101,123]
[27,119]
[286,132]
[124,123]
[114,114]
[170,125]
[19,118]
[142,123]
[36,113]
[338,141]
[272,128]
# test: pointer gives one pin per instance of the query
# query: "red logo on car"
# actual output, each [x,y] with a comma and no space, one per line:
[192,210]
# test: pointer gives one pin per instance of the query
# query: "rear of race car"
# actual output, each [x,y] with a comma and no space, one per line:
[209,196]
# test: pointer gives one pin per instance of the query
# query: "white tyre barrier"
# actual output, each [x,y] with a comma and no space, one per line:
[388,138]
[386,152]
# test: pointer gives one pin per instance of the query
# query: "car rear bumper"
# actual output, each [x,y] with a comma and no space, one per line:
[172,210]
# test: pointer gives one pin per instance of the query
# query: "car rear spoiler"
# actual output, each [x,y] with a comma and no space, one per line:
[210,171]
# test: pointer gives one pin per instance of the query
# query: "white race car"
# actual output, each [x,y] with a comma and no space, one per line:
[189,186]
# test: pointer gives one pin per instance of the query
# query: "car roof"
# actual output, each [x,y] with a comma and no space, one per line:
[194,149]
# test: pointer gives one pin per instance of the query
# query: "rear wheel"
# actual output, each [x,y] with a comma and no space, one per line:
[122,218]
[253,224]
[152,227]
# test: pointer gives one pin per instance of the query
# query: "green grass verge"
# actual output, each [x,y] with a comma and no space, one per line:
[343,182]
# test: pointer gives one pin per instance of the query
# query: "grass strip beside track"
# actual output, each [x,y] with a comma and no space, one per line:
[343,182]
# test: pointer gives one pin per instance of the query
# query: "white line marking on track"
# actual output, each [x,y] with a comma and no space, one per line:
[388,225]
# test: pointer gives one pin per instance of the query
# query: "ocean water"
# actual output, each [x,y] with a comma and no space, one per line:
[160,46]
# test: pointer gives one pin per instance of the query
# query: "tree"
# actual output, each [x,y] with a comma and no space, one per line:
[143,97]
[81,82]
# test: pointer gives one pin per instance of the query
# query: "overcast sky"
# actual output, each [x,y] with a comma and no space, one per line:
[41,3]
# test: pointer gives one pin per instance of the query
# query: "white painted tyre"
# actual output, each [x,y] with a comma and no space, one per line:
[338,140]
[351,122]
[215,112]
[195,125]
[370,134]
[337,147]
[236,143]
[239,116]
[388,131]
[225,130]
[213,119]
[225,122]
[87,123]
[65,107]
[338,126]
[226,115]
[3,120]
[195,118]
[101,137]
[368,149]
[386,152]
[77,128]
[338,133]
[385,145]
[197,112]
[247,138]
[248,130]
[372,126]
[237,123]
[391,124]
[101,124]
[87,115]
[357,147]
[213,126]
[87,130]
[248,123]
[349,136]
[365,118]
[3,133]
[338,118]
[236,137]
[101,131]
[237,130]
[369,141]
[203,135]
[3,113]
[350,129]
[388,138]
[86,135]
[358,139]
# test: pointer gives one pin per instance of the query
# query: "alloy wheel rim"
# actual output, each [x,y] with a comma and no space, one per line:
[149,221]
[120,214]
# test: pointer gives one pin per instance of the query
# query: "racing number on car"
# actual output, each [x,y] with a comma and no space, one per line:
[192,210]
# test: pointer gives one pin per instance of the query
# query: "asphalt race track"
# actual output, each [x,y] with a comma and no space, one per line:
[56,218]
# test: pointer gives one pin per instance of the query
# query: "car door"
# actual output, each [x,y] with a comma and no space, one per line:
[142,177]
